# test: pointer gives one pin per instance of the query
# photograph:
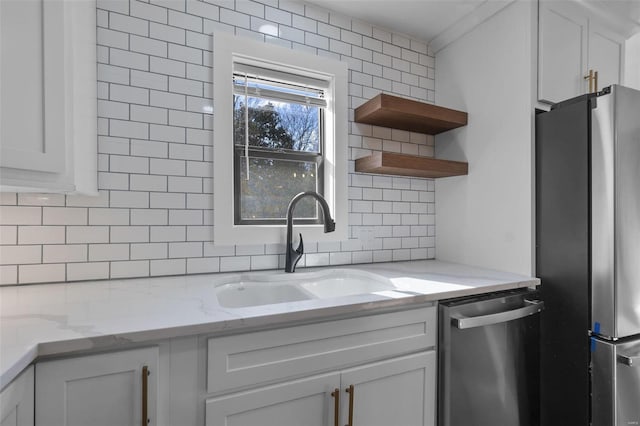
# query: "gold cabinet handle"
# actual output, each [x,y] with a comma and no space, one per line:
[145,395]
[350,391]
[595,77]
[336,406]
[590,78]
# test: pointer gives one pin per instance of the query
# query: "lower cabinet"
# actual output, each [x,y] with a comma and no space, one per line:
[16,401]
[399,392]
[111,389]
[301,402]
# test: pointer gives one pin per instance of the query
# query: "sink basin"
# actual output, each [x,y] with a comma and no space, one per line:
[252,293]
[250,289]
[345,282]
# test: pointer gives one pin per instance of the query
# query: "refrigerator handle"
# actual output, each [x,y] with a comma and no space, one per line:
[463,322]
[631,361]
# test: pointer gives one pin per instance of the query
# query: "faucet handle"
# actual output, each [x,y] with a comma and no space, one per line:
[300,248]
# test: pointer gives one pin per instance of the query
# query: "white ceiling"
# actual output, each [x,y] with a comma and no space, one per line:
[428,19]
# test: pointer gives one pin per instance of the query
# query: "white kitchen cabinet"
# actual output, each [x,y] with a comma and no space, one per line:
[571,42]
[48,119]
[291,375]
[307,402]
[399,391]
[111,389]
[16,401]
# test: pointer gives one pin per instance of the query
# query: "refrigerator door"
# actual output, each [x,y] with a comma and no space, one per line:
[615,208]
[616,383]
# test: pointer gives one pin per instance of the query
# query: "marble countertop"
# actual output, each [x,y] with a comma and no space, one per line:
[55,319]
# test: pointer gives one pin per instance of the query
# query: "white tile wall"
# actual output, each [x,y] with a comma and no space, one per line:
[154,212]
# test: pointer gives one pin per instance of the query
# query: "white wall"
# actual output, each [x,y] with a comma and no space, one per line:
[486,218]
[632,62]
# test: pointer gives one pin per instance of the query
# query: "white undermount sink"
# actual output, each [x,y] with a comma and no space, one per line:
[250,289]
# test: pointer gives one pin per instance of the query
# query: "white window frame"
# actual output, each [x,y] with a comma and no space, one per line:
[229,49]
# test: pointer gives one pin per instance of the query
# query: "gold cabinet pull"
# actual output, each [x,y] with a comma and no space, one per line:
[593,81]
[590,78]
[350,391]
[145,395]
[336,406]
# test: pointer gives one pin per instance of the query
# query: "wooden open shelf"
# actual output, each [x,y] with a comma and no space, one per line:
[390,163]
[406,114]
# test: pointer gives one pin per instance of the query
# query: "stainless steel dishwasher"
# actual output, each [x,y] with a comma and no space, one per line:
[489,360]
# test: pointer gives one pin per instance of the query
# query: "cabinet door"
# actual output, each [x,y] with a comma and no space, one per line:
[304,402]
[16,401]
[32,92]
[48,129]
[605,55]
[398,392]
[98,390]
[562,52]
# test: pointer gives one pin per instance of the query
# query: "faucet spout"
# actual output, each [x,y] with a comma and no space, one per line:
[294,255]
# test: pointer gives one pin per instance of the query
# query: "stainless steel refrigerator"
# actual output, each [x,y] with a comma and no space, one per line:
[588,258]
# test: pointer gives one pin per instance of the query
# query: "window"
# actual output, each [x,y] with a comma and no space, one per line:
[278,137]
[280,128]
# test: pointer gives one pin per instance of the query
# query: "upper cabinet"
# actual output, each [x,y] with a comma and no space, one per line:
[577,52]
[48,120]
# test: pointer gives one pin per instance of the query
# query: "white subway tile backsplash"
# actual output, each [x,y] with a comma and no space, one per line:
[9,198]
[159,200]
[41,273]
[143,148]
[60,253]
[106,37]
[10,255]
[154,212]
[167,233]
[199,232]
[105,252]
[201,265]
[8,235]
[149,251]
[8,275]
[237,263]
[130,269]
[185,217]
[236,19]
[168,167]
[148,11]
[101,200]
[124,58]
[168,267]
[186,21]
[128,24]
[166,133]
[129,234]
[167,33]
[185,184]
[87,271]
[18,215]
[64,216]
[41,235]
[148,183]
[190,249]
[133,199]
[148,216]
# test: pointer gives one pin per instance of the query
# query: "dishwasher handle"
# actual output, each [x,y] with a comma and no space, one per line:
[463,322]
